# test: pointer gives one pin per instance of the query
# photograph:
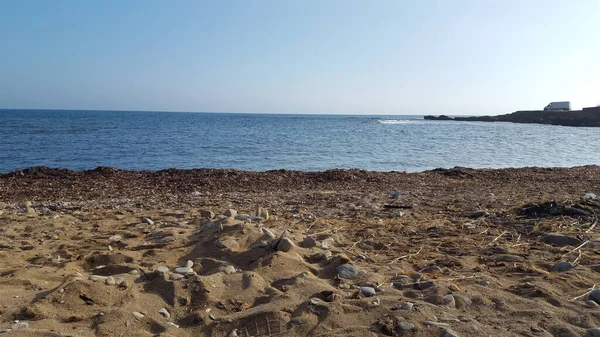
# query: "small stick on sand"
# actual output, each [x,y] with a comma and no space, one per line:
[309,227]
[580,296]
[406,256]
[497,237]
[592,226]
[576,248]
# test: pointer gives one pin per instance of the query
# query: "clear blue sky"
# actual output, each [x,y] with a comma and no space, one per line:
[304,56]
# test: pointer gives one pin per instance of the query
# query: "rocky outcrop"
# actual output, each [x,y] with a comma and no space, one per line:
[588,117]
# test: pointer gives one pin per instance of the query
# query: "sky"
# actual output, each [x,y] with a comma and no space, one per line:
[473,57]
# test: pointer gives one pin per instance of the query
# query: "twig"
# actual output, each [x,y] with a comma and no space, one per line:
[497,237]
[592,226]
[404,256]
[580,296]
[576,248]
[309,227]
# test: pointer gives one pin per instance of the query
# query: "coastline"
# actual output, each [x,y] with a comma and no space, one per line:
[588,117]
[470,251]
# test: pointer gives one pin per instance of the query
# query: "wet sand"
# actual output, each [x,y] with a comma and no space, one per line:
[455,252]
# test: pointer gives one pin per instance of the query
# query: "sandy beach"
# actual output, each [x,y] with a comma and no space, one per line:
[207,252]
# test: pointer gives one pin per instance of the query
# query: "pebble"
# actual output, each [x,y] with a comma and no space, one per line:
[347,271]
[230,213]
[164,313]
[263,213]
[448,300]
[161,269]
[285,245]
[97,278]
[450,334]
[592,304]
[325,243]
[268,233]
[115,238]
[593,332]
[595,295]
[309,242]
[478,214]
[184,271]
[484,283]
[403,306]
[175,277]
[173,325]
[368,291]
[207,214]
[562,266]
[138,315]
[189,264]
[406,326]
[229,270]
[297,321]
[110,281]
[561,240]
[20,325]
[536,329]
[590,196]
[148,221]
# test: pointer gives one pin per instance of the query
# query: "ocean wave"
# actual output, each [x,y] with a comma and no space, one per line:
[394,121]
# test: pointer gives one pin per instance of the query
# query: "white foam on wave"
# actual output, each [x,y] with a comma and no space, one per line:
[394,121]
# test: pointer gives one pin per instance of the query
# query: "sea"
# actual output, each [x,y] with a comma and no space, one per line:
[142,140]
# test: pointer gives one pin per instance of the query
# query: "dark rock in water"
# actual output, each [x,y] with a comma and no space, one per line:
[562,266]
[561,240]
[438,118]
[347,271]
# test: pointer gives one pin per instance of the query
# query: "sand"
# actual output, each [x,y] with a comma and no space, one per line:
[456,252]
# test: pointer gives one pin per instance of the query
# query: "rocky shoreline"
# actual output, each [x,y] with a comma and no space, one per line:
[448,252]
[589,117]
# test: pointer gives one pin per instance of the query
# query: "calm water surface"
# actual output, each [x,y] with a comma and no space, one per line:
[158,140]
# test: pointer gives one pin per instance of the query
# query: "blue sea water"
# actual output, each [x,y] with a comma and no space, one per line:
[157,140]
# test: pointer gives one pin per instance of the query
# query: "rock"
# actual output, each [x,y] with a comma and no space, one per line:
[592,304]
[448,300]
[242,217]
[263,213]
[347,271]
[403,306]
[97,278]
[268,233]
[164,313]
[594,295]
[593,332]
[161,270]
[138,315]
[562,266]
[450,334]
[207,214]
[590,196]
[309,242]
[368,291]
[325,243]
[406,326]
[115,238]
[285,245]
[184,271]
[229,270]
[19,325]
[478,214]
[189,264]
[230,213]
[110,281]
[296,321]
[230,244]
[175,277]
[148,221]
[484,283]
[561,240]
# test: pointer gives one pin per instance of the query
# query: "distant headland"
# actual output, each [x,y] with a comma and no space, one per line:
[589,117]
